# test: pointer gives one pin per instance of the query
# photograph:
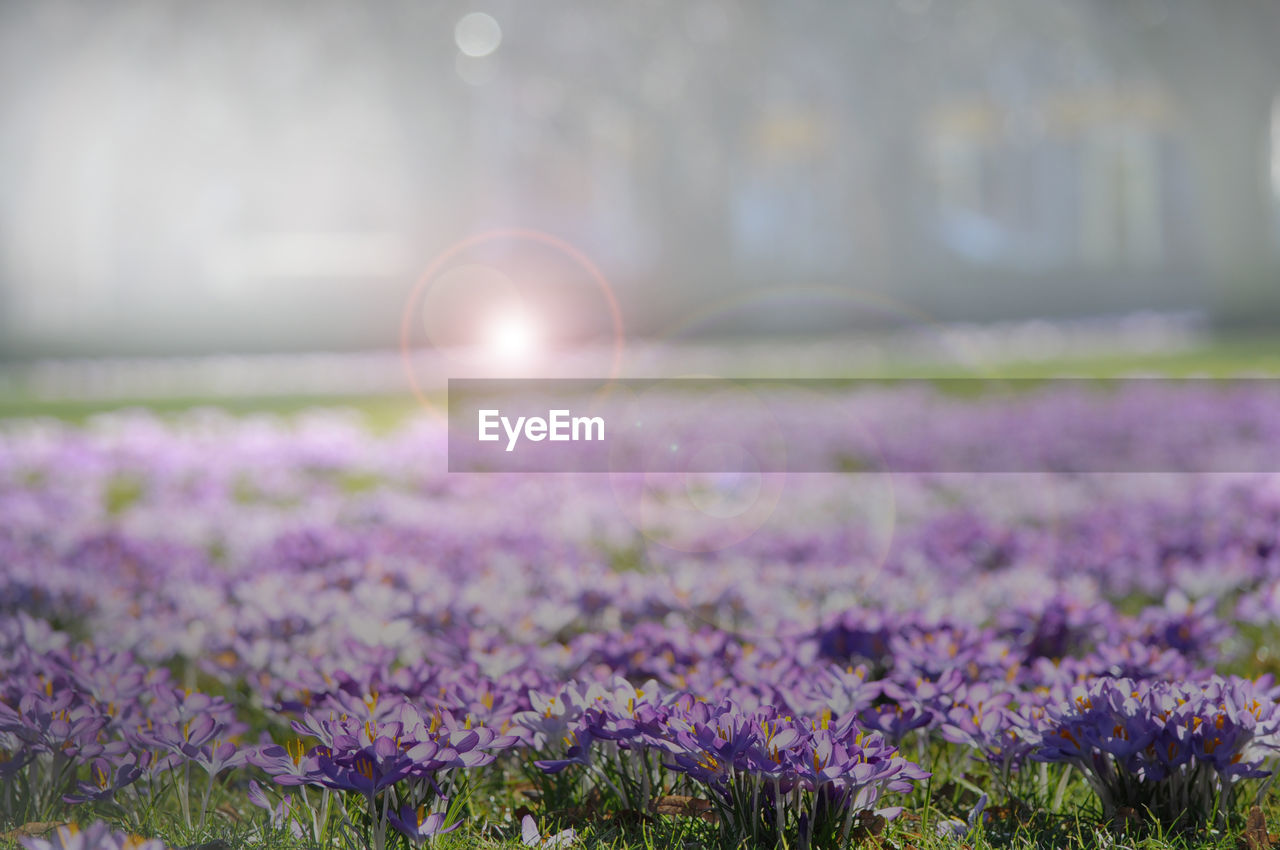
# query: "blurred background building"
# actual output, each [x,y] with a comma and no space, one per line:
[183,176]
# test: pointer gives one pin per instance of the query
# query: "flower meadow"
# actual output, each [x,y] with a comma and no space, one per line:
[300,632]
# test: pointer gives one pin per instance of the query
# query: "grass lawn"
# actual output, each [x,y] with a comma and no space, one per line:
[1227,357]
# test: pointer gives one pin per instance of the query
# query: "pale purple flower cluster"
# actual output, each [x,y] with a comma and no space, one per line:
[83,725]
[771,775]
[1170,748]
[96,836]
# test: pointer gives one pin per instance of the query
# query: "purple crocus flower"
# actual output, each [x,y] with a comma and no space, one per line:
[415,824]
[96,836]
[106,777]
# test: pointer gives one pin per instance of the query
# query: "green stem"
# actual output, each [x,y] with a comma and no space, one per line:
[204,802]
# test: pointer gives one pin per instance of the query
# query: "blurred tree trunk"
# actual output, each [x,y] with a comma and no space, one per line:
[1221,66]
[1228,133]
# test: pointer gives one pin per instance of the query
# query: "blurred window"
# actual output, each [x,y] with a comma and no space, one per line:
[1069,179]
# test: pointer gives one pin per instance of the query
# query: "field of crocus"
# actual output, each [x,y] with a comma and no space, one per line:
[296,632]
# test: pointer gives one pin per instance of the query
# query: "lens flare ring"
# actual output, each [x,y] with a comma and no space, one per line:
[511,334]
